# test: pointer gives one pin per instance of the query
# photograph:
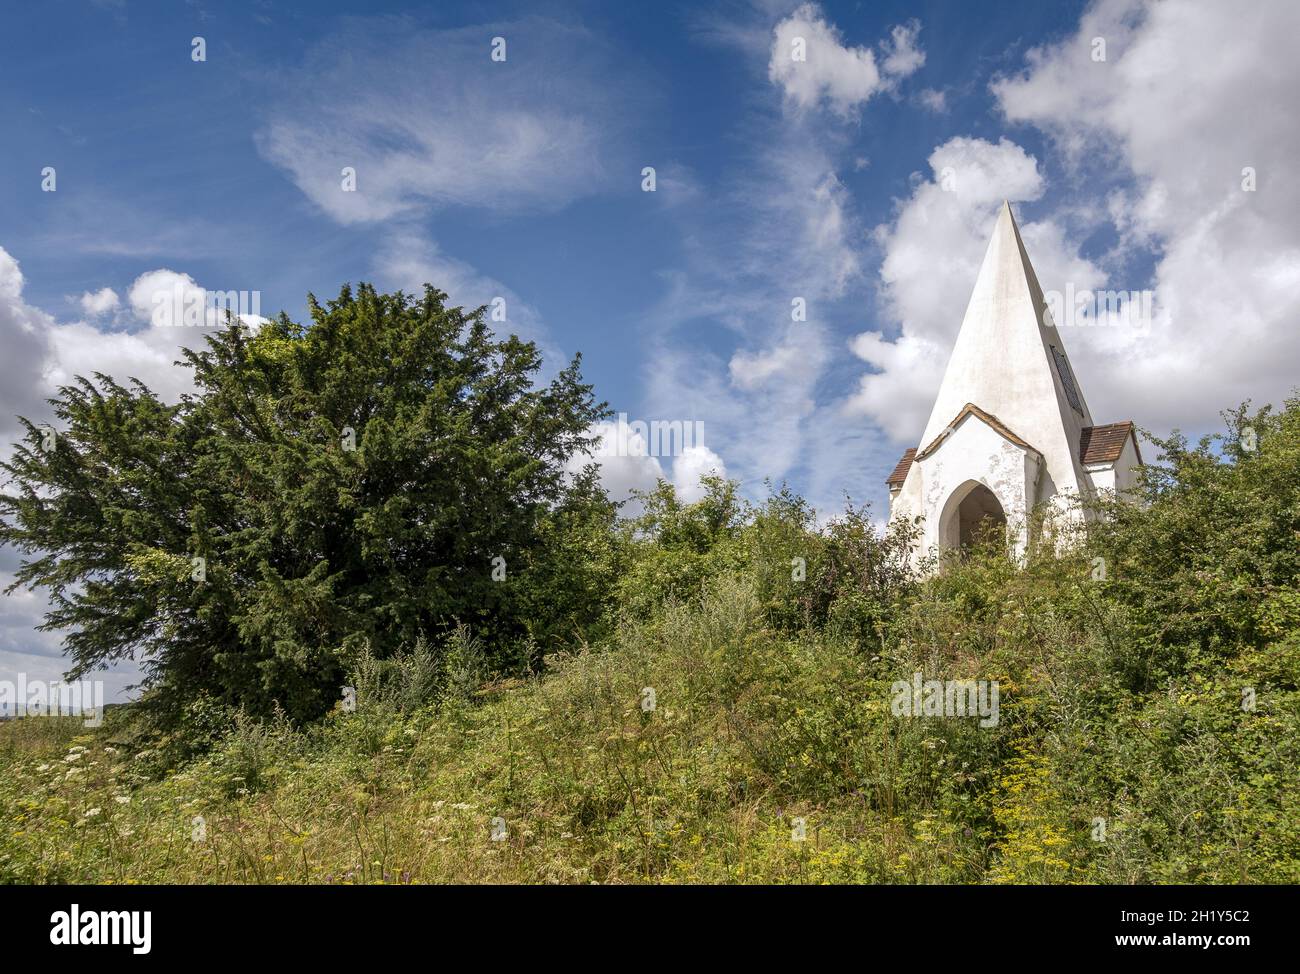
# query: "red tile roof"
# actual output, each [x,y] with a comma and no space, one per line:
[1097,444]
[900,472]
[1104,444]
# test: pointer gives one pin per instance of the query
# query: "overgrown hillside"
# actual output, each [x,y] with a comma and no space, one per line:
[728,716]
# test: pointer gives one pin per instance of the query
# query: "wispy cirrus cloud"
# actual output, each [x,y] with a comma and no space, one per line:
[536,130]
[770,254]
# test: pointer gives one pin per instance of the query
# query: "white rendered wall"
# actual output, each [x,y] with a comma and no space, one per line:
[977,453]
[1127,467]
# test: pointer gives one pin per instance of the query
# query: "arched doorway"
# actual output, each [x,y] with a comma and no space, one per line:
[972,512]
[978,516]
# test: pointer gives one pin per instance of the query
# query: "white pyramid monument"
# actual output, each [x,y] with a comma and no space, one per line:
[1010,429]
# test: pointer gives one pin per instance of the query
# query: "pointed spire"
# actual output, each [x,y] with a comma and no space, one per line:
[1007,360]
[1008,231]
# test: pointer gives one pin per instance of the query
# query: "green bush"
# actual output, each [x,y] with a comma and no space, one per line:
[730,720]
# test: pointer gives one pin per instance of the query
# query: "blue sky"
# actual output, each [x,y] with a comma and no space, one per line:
[777,179]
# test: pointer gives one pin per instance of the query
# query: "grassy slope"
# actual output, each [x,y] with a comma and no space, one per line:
[751,731]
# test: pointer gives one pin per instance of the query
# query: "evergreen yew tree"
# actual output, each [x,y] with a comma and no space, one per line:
[377,477]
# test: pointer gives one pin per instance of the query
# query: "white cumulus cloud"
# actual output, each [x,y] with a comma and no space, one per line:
[626,465]
[903,56]
[690,468]
[812,64]
[43,353]
[100,302]
[1191,98]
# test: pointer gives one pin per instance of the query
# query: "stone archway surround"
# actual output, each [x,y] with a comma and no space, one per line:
[965,504]
[975,453]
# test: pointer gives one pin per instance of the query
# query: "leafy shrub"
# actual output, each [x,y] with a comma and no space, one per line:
[733,722]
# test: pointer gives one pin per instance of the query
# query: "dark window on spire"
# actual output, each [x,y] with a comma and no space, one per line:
[1067,379]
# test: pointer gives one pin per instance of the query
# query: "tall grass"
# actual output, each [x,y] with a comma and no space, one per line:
[765,757]
[731,720]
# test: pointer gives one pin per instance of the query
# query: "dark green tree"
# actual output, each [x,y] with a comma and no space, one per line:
[379,476]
